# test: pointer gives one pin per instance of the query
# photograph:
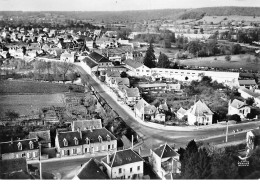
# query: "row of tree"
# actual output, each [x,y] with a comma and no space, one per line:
[206,162]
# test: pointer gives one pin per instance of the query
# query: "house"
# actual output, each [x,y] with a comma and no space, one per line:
[67,57]
[96,141]
[136,68]
[14,169]
[90,171]
[253,138]
[199,113]
[174,86]
[164,160]
[121,81]
[248,83]
[27,148]
[123,164]
[238,107]
[181,113]
[246,93]
[89,65]
[163,107]
[153,87]
[144,110]
[44,137]
[86,124]
[68,143]
[111,76]
[132,95]
[102,61]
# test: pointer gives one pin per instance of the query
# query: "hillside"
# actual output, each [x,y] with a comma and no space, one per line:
[129,16]
[220,11]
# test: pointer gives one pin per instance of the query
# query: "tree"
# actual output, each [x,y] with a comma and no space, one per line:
[234,117]
[163,61]
[236,49]
[123,74]
[250,101]
[65,68]
[40,66]
[12,115]
[228,58]
[149,58]
[194,47]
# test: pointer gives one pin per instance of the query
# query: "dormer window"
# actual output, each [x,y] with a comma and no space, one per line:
[108,138]
[31,144]
[65,142]
[100,139]
[87,141]
[19,145]
[76,141]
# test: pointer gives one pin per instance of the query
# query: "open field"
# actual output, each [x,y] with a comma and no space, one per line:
[237,61]
[218,19]
[26,104]
[26,87]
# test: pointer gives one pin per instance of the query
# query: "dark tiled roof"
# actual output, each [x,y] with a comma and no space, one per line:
[42,135]
[86,124]
[10,147]
[90,170]
[165,151]
[123,157]
[89,62]
[93,135]
[69,136]
[98,58]
[11,165]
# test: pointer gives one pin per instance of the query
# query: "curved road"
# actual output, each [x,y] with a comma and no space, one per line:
[153,137]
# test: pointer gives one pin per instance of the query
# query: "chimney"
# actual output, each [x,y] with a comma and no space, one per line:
[108,159]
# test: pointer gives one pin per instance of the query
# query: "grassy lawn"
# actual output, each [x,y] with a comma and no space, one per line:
[237,61]
[27,104]
[26,87]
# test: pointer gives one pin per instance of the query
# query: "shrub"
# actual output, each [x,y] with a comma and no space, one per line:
[234,117]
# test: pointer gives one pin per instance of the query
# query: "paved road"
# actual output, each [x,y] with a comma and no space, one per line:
[153,137]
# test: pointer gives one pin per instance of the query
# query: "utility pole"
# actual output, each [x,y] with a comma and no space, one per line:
[40,163]
[227,133]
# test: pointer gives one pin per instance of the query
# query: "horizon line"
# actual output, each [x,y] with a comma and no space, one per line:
[128,10]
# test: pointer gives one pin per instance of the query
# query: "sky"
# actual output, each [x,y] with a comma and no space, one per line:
[116,5]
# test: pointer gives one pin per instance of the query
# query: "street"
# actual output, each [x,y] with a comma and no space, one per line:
[153,137]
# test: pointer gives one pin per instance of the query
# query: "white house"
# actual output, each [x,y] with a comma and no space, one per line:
[199,113]
[246,93]
[67,57]
[164,161]
[181,113]
[238,107]
[124,164]
[137,68]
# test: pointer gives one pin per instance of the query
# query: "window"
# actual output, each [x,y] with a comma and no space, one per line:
[100,139]
[86,149]
[108,147]
[108,138]
[103,147]
[87,141]
[19,145]
[65,142]
[74,151]
[31,144]
[138,168]
[120,170]
[112,146]
[131,169]
[97,148]
[76,141]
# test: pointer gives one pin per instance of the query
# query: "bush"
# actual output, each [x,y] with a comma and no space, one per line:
[228,58]
[234,117]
